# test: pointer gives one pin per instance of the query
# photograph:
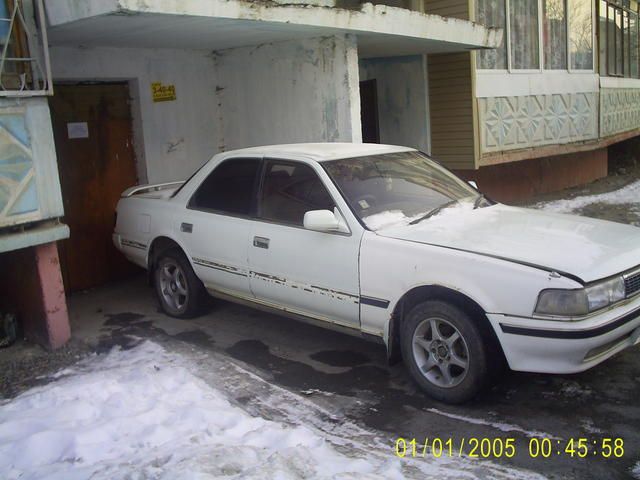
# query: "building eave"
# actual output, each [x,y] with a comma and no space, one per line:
[218,24]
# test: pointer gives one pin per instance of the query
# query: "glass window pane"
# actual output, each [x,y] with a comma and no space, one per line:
[580,35]
[229,188]
[633,28]
[602,38]
[555,35]
[618,26]
[525,52]
[491,13]
[611,40]
[289,191]
[626,42]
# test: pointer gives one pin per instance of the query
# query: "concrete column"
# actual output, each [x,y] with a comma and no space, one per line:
[32,281]
[303,90]
[54,302]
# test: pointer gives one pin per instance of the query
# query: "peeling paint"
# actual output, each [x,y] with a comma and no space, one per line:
[219,266]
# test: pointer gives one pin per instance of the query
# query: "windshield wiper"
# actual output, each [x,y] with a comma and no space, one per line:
[433,212]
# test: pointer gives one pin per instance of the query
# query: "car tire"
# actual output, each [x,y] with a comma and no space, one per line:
[180,292]
[444,351]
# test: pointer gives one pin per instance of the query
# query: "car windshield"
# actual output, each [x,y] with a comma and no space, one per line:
[398,188]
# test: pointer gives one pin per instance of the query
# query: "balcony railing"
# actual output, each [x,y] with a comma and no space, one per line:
[25,68]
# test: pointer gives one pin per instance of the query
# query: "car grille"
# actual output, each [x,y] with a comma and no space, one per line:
[632,284]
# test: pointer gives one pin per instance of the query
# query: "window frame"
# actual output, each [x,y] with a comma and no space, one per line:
[541,55]
[256,181]
[288,161]
[612,70]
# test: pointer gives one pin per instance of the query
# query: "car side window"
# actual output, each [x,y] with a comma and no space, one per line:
[289,191]
[229,188]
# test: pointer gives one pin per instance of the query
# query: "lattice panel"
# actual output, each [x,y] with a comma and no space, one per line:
[509,123]
[18,192]
[619,110]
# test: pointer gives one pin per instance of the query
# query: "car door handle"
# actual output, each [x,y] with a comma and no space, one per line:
[186,227]
[260,242]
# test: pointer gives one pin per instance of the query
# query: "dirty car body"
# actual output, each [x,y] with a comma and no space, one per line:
[384,242]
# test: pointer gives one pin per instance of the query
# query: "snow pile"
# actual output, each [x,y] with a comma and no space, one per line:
[626,195]
[141,413]
[396,218]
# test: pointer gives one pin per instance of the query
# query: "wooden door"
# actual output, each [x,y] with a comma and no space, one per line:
[96,162]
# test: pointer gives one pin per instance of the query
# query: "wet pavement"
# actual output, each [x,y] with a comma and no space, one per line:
[349,378]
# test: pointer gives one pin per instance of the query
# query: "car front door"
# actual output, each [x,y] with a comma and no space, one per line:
[217,225]
[310,273]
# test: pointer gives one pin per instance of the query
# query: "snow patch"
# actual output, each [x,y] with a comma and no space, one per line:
[148,413]
[635,471]
[141,412]
[627,194]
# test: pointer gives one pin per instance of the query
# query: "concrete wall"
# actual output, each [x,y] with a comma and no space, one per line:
[402,99]
[298,91]
[172,138]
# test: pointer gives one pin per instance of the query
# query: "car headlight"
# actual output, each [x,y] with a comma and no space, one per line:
[580,301]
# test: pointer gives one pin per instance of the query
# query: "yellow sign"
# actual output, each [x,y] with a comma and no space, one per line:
[163,93]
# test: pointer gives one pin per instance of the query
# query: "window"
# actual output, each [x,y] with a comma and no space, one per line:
[289,191]
[555,35]
[229,188]
[539,34]
[523,18]
[580,35]
[618,38]
[399,188]
[492,14]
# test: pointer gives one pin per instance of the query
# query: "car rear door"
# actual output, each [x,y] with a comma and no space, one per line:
[216,225]
[311,273]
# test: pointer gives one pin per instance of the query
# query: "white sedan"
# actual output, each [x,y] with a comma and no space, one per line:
[383,242]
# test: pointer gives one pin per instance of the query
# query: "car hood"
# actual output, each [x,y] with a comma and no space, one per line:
[583,247]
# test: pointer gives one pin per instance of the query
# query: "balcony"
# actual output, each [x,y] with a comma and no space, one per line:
[381,30]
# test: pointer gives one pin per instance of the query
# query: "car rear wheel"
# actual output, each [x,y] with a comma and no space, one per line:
[178,289]
[444,351]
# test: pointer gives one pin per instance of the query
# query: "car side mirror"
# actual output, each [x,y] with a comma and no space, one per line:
[473,184]
[324,221]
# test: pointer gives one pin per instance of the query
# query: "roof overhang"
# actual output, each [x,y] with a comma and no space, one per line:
[222,24]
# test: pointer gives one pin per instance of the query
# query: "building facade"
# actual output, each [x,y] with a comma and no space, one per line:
[538,113]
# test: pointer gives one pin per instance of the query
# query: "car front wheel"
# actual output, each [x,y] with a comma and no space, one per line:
[444,351]
[179,291]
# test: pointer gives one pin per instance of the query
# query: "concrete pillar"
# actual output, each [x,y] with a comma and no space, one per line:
[32,281]
[304,90]
[54,302]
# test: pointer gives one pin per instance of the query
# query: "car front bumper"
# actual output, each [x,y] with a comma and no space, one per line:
[551,346]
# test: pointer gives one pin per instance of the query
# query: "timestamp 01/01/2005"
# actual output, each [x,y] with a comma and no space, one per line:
[506,447]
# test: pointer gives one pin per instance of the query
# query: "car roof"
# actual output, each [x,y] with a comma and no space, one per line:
[319,152]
